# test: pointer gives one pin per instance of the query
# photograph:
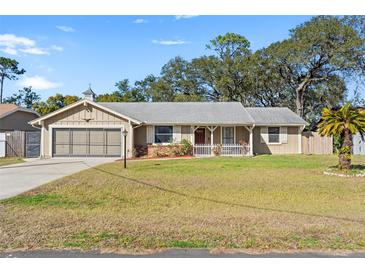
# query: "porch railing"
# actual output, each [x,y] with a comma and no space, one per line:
[202,150]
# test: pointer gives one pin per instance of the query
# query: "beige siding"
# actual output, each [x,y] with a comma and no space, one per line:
[140,136]
[291,147]
[217,136]
[17,121]
[186,133]
[242,135]
[77,116]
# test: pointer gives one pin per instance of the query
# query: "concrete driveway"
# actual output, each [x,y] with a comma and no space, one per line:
[18,178]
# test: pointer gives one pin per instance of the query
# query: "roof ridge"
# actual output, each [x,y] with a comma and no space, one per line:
[249,115]
[168,102]
[266,107]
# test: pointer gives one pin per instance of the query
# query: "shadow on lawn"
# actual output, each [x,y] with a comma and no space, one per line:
[228,203]
[353,167]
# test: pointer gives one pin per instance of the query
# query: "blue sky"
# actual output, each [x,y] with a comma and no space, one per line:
[66,53]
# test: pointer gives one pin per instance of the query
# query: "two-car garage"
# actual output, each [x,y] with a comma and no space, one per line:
[86,142]
[85,129]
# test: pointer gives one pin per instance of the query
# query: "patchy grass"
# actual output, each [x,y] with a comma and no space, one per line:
[355,170]
[10,160]
[266,202]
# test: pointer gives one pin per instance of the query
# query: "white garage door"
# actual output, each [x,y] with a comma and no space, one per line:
[81,142]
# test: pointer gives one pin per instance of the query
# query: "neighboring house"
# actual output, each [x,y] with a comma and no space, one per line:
[87,128]
[13,117]
[358,145]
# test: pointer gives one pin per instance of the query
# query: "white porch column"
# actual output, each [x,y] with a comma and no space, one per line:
[42,140]
[300,129]
[211,129]
[250,130]
[211,141]
[251,141]
[131,141]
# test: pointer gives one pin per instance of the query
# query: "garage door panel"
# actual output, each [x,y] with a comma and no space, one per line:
[113,151]
[97,150]
[96,136]
[113,142]
[62,150]
[79,142]
[61,135]
[61,141]
[86,142]
[97,140]
[113,137]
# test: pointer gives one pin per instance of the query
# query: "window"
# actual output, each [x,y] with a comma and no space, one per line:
[163,134]
[228,135]
[274,134]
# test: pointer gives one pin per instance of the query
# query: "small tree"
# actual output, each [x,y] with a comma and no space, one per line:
[8,70]
[345,122]
[25,97]
[54,102]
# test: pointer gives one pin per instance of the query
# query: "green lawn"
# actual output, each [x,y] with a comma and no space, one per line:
[260,203]
[10,160]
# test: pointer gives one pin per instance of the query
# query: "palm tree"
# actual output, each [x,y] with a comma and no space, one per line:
[344,122]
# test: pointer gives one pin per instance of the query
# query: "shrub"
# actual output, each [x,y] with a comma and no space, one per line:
[186,147]
[217,150]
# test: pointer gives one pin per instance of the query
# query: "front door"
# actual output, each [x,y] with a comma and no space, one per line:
[200,136]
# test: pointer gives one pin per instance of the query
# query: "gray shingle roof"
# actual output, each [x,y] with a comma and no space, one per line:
[207,113]
[184,113]
[275,116]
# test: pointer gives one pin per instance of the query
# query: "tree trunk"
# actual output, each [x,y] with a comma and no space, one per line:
[300,101]
[1,88]
[344,162]
[345,155]
[300,95]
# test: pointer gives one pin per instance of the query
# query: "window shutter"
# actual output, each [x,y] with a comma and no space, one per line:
[264,135]
[283,135]
[176,134]
[150,135]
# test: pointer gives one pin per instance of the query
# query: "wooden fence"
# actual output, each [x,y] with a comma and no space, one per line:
[313,143]
[15,143]
[20,144]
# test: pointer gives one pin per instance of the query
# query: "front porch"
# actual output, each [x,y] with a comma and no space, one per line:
[236,140]
[200,150]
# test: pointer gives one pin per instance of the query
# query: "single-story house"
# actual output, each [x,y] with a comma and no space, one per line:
[89,128]
[13,117]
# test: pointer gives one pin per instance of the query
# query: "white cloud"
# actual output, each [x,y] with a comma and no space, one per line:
[38,82]
[140,21]
[170,42]
[10,51]
[178,17]
[12,44]
[66,28]
[57,48]
[35,51]
[9,43]
[12,41]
